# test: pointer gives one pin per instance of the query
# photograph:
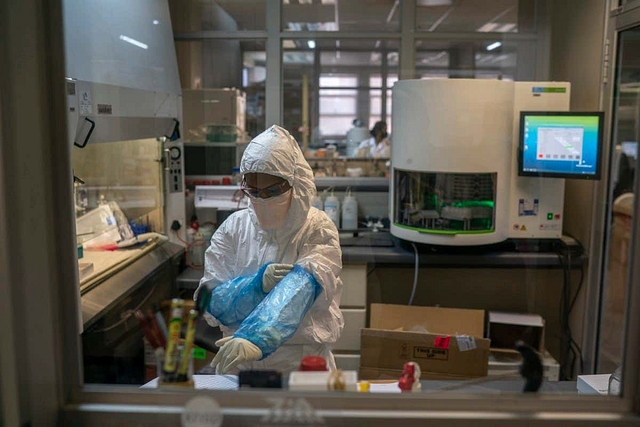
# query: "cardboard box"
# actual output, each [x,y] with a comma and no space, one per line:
[447,343]
[504,329]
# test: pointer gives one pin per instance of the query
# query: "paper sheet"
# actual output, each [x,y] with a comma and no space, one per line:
[385,388]
[207,382]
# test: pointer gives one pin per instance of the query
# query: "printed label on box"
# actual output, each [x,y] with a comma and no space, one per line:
[465,342]
[430,353]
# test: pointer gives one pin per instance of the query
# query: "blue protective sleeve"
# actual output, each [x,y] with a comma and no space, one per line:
[232,301]
[277,317]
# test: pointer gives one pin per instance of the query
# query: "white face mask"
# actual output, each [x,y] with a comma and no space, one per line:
[272,212]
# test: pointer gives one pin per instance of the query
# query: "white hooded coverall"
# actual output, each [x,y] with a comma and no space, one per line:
[309,239]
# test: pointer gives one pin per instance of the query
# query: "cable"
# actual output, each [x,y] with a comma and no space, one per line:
[415,275]
[126,314]
[198,242]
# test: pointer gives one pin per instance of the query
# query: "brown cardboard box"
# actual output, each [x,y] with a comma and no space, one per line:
[504,329]
[447,343]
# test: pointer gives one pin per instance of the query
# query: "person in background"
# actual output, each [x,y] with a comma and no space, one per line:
[355,136]
[271,279]
[378,145]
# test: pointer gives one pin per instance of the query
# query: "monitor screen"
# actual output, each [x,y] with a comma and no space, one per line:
[560,144]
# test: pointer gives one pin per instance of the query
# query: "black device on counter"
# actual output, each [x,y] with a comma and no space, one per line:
[260,379]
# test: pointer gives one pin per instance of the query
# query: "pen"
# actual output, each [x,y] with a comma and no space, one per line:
[145,329]
[160,321]
[155,330]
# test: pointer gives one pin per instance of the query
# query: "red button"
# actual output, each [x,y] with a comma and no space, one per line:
[313,363]
[557,216]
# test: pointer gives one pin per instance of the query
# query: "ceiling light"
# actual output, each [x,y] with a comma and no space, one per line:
[311,44]
[493,46]
[505,28]
[156,22]
[289,44]
[434,2]
[488,27]
[133,42]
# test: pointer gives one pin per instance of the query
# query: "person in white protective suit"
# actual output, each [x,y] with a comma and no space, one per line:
[272,270]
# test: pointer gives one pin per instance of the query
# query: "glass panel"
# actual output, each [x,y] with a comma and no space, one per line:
[334,15]
[127,173]
[220,15]
[624,161]
[467,59]
[211,67]
[501,16]
[344,82]
[445,203]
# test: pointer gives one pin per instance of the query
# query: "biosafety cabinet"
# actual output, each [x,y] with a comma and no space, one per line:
[454,177]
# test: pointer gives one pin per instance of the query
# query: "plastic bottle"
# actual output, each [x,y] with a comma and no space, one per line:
[332,208]
[349,212]
[235,176]
[317,202]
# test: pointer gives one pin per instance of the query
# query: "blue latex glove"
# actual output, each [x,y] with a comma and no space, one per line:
[276,318]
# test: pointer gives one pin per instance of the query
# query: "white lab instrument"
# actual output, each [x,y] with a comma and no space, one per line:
[455,178]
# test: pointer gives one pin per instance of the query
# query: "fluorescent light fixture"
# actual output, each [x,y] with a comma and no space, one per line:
[505,28]
[434,2]
[493,46]
[133,42]
[156,22]
[488,27]
[311,44]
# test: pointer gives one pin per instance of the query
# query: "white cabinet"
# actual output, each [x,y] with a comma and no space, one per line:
[354,309]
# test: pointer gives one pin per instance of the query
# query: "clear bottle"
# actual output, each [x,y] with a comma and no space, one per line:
[236,177]
[332,208]
[349,212]
[317,202]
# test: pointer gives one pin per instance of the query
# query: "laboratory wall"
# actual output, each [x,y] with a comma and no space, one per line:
[576,56]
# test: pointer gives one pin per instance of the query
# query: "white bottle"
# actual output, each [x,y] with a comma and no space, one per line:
[317,202]
[349,212]
[332,208]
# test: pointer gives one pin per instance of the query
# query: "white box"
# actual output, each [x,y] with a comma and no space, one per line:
[317,381]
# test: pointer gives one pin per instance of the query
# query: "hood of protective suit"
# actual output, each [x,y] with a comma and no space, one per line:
[276,152]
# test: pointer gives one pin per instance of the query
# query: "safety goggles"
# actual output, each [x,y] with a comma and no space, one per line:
[266,193]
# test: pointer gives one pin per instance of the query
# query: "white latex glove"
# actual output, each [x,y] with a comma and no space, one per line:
[273,274]
[234,351]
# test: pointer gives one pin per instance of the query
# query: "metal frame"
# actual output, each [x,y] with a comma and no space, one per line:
[38,259]
[616,22]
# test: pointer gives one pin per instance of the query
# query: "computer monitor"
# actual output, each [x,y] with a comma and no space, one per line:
[560,144]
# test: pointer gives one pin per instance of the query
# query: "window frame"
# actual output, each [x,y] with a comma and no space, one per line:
[53,354]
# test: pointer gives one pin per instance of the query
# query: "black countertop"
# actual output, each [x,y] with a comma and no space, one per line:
[391,253]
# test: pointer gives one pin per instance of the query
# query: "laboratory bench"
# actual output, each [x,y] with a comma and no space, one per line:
[368,250]
[123,281]
[383,249]
[230,382]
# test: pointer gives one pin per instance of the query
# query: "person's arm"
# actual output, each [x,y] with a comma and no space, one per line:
[277,317]
[232,297]
[315,279]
